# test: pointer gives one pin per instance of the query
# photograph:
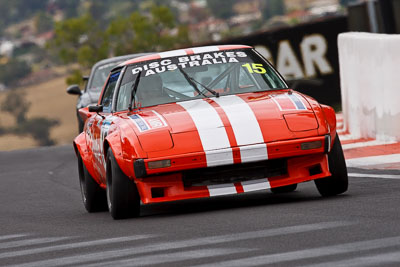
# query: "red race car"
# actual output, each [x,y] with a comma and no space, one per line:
[203,122]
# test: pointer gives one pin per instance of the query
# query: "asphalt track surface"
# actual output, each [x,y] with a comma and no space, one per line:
[43,223]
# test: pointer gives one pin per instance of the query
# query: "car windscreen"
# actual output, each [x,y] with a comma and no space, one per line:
[187,77]
[100,76]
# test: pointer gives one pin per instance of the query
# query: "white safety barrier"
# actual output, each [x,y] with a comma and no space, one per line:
[370,84]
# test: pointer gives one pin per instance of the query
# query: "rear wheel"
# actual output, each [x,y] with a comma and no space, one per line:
[122,195]
[338,182]
[93,196]
[284,189]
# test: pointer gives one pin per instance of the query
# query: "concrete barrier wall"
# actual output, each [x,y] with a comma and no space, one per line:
[370,85]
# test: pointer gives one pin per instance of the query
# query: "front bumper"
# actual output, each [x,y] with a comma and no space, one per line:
[175,183]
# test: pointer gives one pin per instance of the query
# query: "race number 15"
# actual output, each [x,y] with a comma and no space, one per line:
[253,67]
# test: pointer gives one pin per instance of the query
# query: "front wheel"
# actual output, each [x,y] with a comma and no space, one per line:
[337,183]
[81,123]
[122,195]
[93,196]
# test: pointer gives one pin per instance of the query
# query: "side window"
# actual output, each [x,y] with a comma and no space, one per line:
[109,92]
[124,96]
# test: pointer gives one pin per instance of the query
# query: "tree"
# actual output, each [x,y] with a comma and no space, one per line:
[273,8]
[75,78]
[18,10]
[69,7]
[38,127]
[16,105]
[43,22]
[14,70]
[221,9]
[146,33]
[75,37]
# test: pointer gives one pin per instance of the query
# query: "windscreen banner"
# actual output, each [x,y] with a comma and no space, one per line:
[305,54]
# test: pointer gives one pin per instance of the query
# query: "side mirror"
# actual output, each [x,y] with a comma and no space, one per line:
[97,108]
[74,90]
[85,78]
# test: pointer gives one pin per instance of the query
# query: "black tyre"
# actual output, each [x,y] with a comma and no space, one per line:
[122,195]
[338,182]
[81,124]
[93,196]
[284,189]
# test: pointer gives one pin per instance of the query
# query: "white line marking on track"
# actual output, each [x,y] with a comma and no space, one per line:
[373,160]
[372,175]
[162,246]
[345,137]
[29,242]
[375,260]
[366,143]
[311,253]
[171,257]
[5,237]
[72,246]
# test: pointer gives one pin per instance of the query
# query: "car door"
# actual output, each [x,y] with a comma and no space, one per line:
[100,126]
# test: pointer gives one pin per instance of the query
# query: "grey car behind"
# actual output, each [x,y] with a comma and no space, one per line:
[95,82]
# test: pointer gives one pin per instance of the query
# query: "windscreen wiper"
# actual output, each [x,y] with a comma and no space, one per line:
[216,94]
[133,92]
[193,82]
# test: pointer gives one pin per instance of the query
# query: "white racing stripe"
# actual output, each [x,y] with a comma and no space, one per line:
[18,253]
[276,102]
[372,175]
[256,185]
[245,127]
[221,189]
[211,130]
[160,117]
[253,153]
[173,53]
[184,244]
[311,253]
[198,50]
[293,98]
[219,157]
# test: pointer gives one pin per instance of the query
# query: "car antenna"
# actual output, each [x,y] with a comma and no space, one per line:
[133,92]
